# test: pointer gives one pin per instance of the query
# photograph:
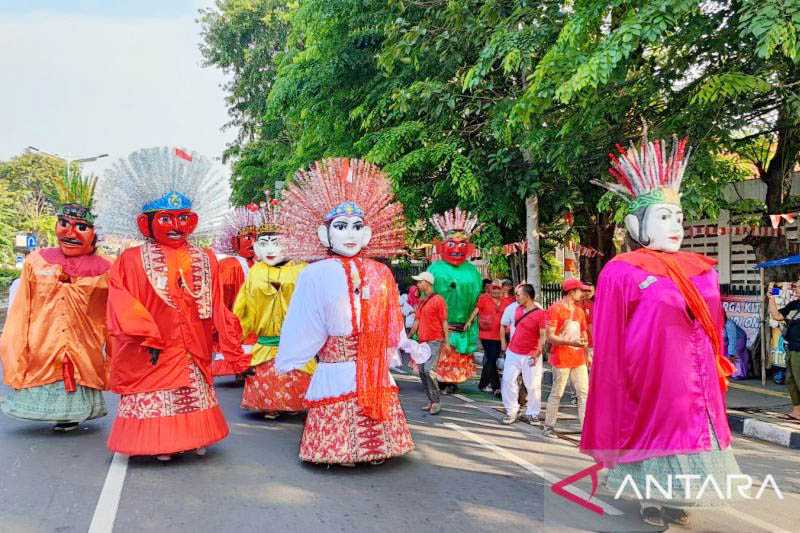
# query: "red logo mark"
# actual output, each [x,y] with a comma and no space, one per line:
[592,471]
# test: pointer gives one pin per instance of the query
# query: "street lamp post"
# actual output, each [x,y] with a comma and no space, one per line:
[68,158]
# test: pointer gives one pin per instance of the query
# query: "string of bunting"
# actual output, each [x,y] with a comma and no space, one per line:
[710,231]
[585,251]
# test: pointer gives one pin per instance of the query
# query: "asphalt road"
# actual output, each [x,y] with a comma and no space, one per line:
[468,473]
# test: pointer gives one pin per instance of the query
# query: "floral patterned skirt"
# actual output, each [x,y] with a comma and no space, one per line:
[169,421]
[270,391]
[339,432]
[454,367]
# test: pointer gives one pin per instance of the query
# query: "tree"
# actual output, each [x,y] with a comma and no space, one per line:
[486,103]
[724,73]
[27,199]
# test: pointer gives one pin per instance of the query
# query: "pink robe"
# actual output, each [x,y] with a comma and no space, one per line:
[654,385]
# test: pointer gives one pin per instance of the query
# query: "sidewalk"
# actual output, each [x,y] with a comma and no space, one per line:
[753,411]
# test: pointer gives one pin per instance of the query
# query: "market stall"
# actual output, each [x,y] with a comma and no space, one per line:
[792,260]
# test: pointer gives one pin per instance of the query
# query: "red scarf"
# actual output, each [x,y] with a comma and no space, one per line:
[372,366]
[679,266]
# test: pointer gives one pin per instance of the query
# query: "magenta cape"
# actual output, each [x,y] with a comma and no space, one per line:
[654,383]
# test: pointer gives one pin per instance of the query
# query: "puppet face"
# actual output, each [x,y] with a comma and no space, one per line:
[75,236]
[661,229]
[455,250]
[345,235]
[169,228]
[270,249]
[244,245]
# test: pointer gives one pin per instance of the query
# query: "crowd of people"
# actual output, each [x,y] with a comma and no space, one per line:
[515,329]
[304,313]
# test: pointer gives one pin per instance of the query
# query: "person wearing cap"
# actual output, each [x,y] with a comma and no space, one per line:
[431,327]
[567,333]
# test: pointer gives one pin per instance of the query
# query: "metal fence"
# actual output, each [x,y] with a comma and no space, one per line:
[549,294]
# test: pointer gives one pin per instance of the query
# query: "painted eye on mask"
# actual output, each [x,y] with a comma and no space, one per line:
[183,218]
[451,244]
[63,223]
[164,219]
[83,227]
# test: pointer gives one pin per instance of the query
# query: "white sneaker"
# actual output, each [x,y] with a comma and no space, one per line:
[510,419]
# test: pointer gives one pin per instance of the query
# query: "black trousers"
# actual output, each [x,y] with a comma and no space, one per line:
[490,377]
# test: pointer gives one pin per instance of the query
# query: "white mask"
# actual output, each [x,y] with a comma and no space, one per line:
[663,225]
[270,249]
[345,235]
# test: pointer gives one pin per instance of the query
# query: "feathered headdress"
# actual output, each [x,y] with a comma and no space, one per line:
[650,173]
[272,218]
[153,179]
[240,221]
[334,187]
[75,196]
[456,223]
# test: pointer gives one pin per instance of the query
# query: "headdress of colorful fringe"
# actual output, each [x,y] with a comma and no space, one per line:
[152,179]
[456,224]
[76,196]
[341,187]
[650,173]
[240,221]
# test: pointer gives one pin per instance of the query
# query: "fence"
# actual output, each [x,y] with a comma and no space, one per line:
[550,293]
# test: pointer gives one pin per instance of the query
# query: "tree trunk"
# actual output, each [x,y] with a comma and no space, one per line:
[599,235]
[777,177]
[534,270]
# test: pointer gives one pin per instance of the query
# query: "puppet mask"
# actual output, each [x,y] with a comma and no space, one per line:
[455,250]
[270,250]
[345,235]
[659,228]
[243,244]
[168,228]
[75,236]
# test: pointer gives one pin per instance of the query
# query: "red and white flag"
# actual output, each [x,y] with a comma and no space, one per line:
[183,154]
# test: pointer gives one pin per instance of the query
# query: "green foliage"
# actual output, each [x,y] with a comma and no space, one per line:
[28,193]
[483,103]
[7,276]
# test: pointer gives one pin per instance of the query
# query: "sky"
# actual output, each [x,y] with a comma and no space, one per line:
[83,78]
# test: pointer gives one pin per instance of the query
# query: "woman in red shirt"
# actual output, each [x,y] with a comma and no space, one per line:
[489,311]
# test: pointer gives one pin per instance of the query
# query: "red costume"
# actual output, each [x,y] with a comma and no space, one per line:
[236,241]
[165,303]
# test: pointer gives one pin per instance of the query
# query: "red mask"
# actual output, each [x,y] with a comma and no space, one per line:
[75,236]
[455,251]
[169,228]
[244,245]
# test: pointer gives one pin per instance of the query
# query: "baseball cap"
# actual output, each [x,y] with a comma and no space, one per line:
[571,284]
[424,276]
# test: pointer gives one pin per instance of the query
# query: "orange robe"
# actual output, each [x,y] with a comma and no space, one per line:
[53,324]
[232,275]
[169,407]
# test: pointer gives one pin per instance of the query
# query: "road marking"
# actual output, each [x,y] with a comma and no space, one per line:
[464,398]
[106,511]
[547,476]
[752,520]
[254,426]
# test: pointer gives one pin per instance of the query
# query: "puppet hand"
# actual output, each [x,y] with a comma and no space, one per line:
[154,353]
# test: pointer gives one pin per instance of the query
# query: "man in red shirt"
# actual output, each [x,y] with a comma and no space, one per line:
[523,356]
[489,311]
[568,333]
[431,327]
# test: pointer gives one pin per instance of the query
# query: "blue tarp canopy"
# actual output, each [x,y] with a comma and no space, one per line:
[783,261]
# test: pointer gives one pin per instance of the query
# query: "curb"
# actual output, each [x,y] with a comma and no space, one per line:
[764,431]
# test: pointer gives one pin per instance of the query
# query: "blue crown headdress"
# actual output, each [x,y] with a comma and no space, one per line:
[345,209]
